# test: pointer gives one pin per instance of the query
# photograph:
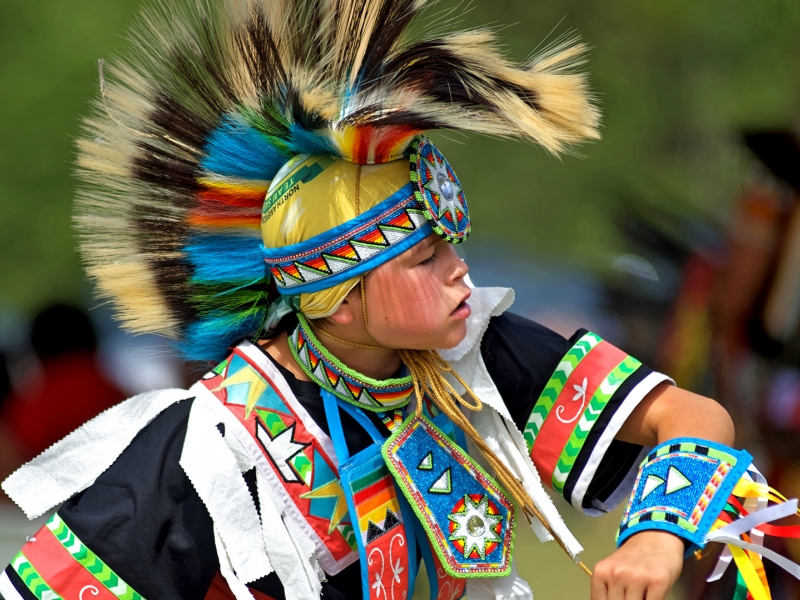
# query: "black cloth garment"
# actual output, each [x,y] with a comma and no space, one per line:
[520,356]
[145,520]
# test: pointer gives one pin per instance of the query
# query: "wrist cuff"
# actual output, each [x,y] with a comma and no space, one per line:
[682,487]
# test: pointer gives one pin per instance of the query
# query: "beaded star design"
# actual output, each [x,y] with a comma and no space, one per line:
[475,526]
[445,187]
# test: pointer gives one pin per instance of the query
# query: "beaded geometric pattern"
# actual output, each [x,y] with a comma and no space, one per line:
[467,517]
[682,486]
[55,563]
[290,446]
[332,375]
[355,247]
[385,537]
[437,188]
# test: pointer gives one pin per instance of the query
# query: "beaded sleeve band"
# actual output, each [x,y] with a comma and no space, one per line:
[696,489]
[332,375]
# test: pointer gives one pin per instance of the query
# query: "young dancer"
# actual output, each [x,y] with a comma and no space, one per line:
[258,186]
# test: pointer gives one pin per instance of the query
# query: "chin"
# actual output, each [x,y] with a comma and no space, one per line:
[454,337]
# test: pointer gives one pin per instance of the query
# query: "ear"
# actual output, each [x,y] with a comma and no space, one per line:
[347,311]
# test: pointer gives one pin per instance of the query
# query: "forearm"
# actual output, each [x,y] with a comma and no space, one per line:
[669,412]
[649,562]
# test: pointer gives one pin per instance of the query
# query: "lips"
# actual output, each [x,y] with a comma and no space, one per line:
[463,310]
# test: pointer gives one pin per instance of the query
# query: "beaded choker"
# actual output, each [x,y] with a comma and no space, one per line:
[332,375]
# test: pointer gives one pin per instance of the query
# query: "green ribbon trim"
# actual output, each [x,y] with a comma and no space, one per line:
[600,399]
[31,578]
[90,561]
[554,386]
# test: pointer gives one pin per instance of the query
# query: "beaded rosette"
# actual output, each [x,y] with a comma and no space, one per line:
[467,517]
[439,191]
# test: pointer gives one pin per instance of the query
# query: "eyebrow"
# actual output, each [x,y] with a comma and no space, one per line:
[425,244]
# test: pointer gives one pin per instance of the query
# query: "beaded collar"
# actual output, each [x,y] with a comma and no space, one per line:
[332,375]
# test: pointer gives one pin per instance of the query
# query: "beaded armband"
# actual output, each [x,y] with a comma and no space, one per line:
[682,487]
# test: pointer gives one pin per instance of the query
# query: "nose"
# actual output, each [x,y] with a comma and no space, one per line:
[459,269]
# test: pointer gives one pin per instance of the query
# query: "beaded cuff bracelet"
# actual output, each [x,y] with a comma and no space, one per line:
[706,492]
[682,486]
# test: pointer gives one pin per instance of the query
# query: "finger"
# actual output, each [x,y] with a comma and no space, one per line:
[599,589]
[636,587]
[616,590]
[635,591]
[656,592]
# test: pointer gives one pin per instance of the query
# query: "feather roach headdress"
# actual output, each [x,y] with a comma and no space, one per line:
[214,97]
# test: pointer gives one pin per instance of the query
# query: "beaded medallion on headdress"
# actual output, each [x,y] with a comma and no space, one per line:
[437,188]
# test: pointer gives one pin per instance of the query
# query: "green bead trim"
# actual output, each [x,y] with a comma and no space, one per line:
[32,579]
[661,515]
[691,447]
[420,511]
[369,384]
[554,386]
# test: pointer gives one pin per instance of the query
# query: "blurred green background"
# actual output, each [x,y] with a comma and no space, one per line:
[676,81]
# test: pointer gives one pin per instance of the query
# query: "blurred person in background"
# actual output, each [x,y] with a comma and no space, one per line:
[734,327]
[67,390]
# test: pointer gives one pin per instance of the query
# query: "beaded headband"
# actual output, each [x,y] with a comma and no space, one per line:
[433,201]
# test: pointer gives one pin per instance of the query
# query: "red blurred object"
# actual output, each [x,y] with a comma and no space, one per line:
[70,391]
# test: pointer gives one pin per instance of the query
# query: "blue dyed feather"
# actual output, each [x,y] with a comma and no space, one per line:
[210,338]
[225,258]
[236,149]
[304,141]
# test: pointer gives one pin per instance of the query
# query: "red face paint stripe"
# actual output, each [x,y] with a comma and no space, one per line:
[65,576]
[568,408]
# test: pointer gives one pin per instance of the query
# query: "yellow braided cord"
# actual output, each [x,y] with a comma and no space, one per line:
[342,340]
[427,369]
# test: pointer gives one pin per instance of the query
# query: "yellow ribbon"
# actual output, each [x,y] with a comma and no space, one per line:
[750,574]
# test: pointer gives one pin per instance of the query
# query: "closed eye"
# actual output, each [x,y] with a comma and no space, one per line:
[429,260]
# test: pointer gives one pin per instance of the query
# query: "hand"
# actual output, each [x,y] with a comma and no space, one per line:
[644,568]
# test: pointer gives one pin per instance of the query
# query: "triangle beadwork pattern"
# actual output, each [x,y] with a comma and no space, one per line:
[338,255]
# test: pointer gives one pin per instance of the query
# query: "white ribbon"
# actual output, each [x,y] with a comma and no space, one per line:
[213,470]
[731,532]
[291,558]
[239,589]
[722,565]
[74,463]
[745,524]
[784,563]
